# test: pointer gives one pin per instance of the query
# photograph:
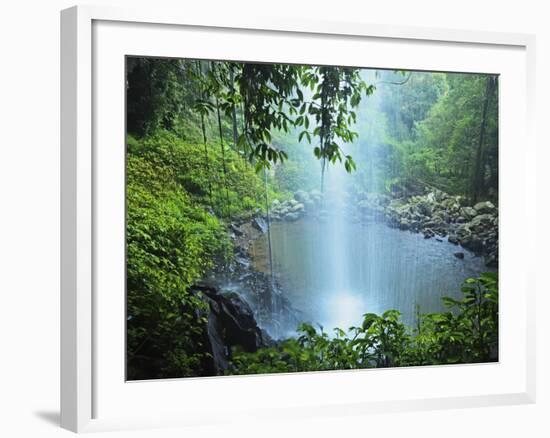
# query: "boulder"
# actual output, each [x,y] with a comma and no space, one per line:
[236,230]
[441,217]
[292,216]
[452,239]
[468,212]
[424,207]
[459,255]
[481,222]
[463,232]
[428,233]
[451,204]
[404,224]
[301,196]
[260,224]
[485,207]
[230,323]
[297,208]
[291,202]
[473,243]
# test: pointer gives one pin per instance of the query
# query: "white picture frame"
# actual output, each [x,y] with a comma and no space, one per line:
[86,376]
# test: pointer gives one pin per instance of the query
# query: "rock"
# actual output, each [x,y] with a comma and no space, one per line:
[451,204]
[259,223]
[452,239]
[292,202]
[230,322]
[459,255]
[404,224]
[293,216]
[275,203]
[236,230]
[485,207]
[441,217]
[301,196]
[463,232]
[428,233]
[297,208]
[243,262]
[468,212]
[430,197]
[424,208]
[481,222]
[430,224]
[473,243]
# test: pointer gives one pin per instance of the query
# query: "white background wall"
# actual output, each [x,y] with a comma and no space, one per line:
[29,216]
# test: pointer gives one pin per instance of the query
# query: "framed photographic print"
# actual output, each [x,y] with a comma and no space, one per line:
[256,209]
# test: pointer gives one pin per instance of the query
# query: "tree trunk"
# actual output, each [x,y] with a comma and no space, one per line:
[204,139]
[477,179]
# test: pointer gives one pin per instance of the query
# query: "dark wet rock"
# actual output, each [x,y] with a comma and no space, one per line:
[459,255]
[230,323]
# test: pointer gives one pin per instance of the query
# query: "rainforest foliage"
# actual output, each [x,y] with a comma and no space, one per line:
[209,142]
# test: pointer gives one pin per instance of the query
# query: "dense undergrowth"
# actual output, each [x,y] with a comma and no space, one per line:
[177,214]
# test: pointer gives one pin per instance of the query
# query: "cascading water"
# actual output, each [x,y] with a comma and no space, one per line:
[335,264]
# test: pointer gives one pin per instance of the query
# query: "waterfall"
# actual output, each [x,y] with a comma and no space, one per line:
[274,302]
[268,226]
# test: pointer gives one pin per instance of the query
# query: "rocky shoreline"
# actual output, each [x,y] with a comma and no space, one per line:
[435,214]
